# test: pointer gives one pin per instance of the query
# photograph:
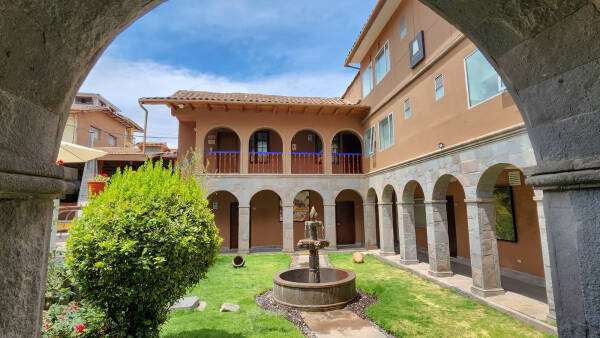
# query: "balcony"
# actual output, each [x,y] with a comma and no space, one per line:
[307,163]
[346,163]
[265,162]
[222,162]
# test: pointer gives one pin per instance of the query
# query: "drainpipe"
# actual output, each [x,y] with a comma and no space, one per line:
[350,66]
[145,126]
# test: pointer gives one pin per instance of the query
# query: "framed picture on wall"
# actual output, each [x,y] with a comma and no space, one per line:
[301,205]
[506,229]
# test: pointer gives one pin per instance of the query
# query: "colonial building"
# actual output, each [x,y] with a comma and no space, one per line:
[424,156]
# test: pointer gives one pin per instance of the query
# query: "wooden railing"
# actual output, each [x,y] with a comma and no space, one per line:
[307,163]
[224,162]
[265,162]
[346,163]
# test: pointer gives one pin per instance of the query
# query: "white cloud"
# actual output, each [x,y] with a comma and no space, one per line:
[123,82]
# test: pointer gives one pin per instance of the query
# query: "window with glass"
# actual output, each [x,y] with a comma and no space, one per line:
[112,141]
[94,135]
[406,108]
[382,62]
[386,132]
[402,28]
[259,143]
[483,83]
[370,142]
[439,86]
[367,81]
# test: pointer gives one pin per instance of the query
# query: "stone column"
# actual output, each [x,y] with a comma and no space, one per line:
[485,266]
[538,198]
[330,225]
[386,228]
[437,238]
[288,228]
[369,225]
[244,229]
[406,233]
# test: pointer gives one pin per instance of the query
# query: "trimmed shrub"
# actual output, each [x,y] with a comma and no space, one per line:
[141,244]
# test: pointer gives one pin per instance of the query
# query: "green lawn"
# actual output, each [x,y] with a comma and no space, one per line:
[239,286]
[411,306]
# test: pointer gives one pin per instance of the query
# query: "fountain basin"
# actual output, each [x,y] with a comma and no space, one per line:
[337,288]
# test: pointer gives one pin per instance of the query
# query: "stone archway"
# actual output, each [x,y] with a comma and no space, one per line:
[547,55]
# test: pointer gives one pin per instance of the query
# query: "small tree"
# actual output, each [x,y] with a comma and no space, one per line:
[141,244]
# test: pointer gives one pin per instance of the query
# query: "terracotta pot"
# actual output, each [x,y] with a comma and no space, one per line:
[94,188]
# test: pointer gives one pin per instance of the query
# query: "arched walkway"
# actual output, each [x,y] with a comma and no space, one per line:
[371,213]
[349,218]
[346,153]
[412,233]
[388,221]
[222,151]
[265,152]
[307,153]
[266,230]
[225,207]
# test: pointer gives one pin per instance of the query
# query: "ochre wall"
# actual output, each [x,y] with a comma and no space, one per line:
[359,229]
[186,139]
[265,227]
[420,232]
[224,200]
[456,190]
[101,121]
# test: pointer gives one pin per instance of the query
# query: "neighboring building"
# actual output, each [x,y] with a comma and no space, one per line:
[95,122]
[423,156]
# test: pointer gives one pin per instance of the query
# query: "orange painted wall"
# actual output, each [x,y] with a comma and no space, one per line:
[265,227]
[101,121]
[187,137]
[420,232]
[359,228]
[222,213]
[456,190]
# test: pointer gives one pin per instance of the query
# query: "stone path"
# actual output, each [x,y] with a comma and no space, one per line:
[337,323]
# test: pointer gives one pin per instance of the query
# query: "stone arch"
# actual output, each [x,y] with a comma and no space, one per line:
[349,220]
[388,193]
[409,190]
[224,205]
[372,196]
[346,152]
[265,228]
[487,180]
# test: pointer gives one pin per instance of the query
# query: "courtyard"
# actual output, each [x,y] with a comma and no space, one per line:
[407,305]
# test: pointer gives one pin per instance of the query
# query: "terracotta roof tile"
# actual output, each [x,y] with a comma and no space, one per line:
[122,119]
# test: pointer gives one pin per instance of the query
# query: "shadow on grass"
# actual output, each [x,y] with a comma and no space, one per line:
[204,333]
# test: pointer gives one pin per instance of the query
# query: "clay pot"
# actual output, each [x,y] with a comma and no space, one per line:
[94,188]
[238,261]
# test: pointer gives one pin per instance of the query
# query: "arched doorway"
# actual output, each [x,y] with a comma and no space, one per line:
[307,153]
[266,222]
[349,219]
[389,221]
[222,151]
[224,206]
[346,153]
[265,152]
[303,203]
[413,228]
[372,220]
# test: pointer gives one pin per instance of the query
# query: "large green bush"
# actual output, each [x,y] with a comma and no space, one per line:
[141,244]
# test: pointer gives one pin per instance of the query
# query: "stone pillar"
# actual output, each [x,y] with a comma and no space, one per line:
[369,225]
[288,228]
[485,266]
[386,228]
[244,229]
[406,233]
[538,198]
[437,238]
[330,225]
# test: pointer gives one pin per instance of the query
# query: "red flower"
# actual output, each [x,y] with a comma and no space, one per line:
[105,175]
[74,308]
[60,162]
[61,318]
[79,328]
[47,326]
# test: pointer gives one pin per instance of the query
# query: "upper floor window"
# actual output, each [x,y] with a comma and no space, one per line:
[483,83]
[94,135]
[367,81]
[370,142]
[112,141]
[382,62]
[439,86]
[406,108]
[402,28]
[84,100]
[386,132]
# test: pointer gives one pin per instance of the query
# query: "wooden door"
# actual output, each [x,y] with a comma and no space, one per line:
[233,225]
[344,221]
[451,226]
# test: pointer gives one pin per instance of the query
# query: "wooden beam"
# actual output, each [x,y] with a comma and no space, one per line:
[335,112]
[319,111]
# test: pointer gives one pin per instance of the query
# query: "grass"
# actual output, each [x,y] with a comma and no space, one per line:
[411,306]
[226,284]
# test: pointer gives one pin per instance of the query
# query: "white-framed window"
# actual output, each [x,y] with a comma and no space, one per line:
[94,135]
[438,84]
[386,132]
[370,142]
[367,81]
[382,62]
[112,141]
[407,108]
[402,28]
[483,83]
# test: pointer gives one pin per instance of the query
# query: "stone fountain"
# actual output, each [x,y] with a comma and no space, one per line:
[314,288]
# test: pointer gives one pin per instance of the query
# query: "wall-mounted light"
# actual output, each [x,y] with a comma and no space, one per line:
[181,105]
[441,145]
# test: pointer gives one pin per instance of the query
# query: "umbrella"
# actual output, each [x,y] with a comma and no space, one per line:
[74,153]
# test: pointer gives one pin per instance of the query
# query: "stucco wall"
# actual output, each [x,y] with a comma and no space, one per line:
[359,230]
[222,213]
[101,121]
[265,227]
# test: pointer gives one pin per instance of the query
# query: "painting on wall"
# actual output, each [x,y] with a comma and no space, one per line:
[505,214]
[301,206]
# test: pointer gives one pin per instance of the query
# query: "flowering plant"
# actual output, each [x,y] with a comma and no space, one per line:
[74,320]
[60,162]
[101,178]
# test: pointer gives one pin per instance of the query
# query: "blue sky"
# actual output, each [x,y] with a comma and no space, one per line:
[258,46]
